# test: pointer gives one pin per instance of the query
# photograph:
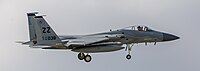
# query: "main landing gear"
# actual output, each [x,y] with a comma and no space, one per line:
[82,56]
[128,46]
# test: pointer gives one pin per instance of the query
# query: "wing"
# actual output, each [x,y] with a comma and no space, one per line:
[73,43]
[85,41]
[66,37]
[93,39]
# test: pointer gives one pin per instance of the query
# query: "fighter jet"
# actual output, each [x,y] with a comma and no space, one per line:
[42,36]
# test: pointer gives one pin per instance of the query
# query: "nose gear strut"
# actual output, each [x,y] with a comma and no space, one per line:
[128,46]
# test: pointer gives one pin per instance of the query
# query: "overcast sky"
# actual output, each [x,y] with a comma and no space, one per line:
[70,17]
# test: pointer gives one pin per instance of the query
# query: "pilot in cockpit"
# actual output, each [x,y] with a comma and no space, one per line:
[145,28]
[139,28]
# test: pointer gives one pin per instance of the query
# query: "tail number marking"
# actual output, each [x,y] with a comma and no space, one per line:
[48,37]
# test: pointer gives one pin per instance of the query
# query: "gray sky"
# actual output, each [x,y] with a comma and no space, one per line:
[69,17]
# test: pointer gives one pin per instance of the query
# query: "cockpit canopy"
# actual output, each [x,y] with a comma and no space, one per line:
[138,28]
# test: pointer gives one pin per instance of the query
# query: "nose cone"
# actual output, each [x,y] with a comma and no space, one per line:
[169,37]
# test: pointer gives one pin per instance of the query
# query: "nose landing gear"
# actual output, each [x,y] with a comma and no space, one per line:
[128,56]
[128,46]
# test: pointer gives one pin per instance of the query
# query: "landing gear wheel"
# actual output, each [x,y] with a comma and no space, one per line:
[128,56]
[81,56]
[88,58]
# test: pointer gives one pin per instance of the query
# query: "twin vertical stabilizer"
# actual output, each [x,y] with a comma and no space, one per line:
[40,32]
